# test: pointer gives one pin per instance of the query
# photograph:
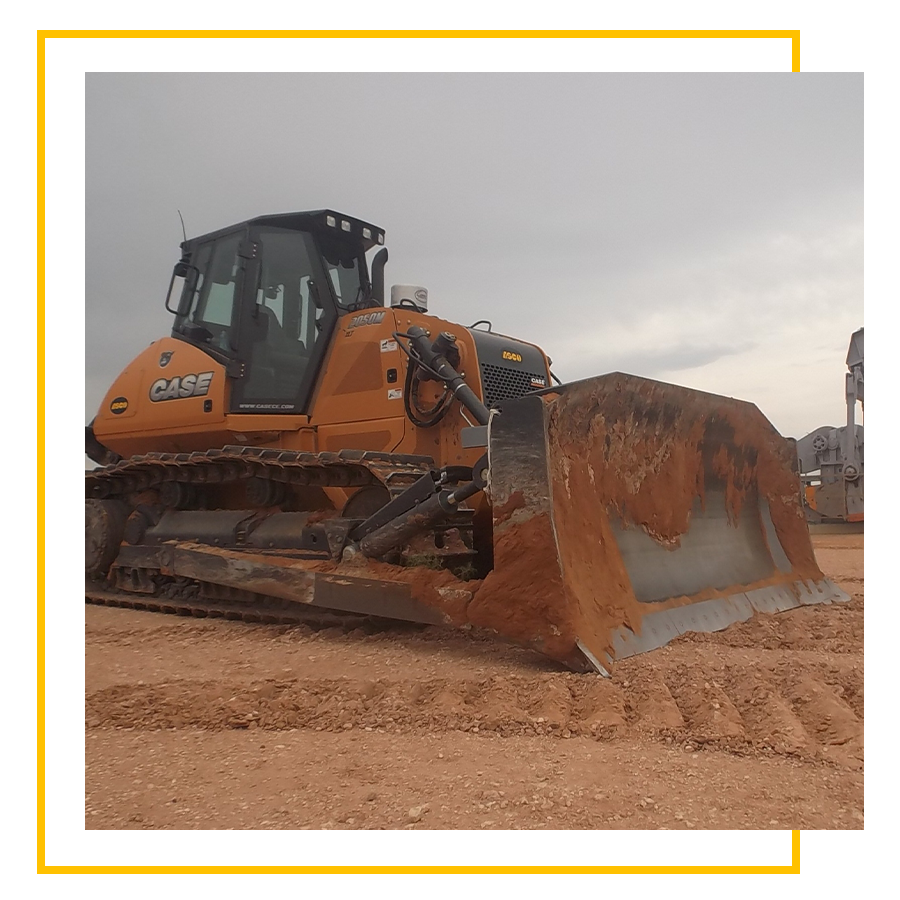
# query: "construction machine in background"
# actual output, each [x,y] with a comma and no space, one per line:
[831,459]
[297,446]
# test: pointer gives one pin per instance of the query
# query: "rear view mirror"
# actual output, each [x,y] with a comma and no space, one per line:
[188,274]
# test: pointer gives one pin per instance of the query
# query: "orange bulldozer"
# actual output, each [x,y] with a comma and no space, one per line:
[298,446]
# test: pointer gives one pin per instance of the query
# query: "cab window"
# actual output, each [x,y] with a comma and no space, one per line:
[209,317]
[285,327]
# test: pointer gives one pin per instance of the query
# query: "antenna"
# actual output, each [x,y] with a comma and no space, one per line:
[180,216]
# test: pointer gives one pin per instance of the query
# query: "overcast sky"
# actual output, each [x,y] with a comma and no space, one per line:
[702,229]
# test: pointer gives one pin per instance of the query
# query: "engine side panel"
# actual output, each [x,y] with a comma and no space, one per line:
[174,397]
[170,397]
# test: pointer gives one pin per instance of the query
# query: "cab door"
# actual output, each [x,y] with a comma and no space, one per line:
[285,324]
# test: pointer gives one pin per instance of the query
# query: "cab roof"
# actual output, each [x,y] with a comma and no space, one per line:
[325,221]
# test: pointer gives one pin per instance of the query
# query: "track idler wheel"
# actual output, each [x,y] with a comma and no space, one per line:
[104,525]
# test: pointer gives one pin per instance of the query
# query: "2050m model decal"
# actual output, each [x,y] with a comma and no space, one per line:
[373,318]
[180,386]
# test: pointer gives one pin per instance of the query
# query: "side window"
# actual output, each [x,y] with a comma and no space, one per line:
[219,304]
[343,267]
[344,275]
[211,309]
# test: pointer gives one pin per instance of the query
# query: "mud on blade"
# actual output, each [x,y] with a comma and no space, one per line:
[628,511]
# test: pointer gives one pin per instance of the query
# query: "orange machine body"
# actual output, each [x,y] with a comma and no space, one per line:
[174,397]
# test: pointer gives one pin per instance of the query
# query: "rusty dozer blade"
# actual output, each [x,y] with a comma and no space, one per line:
[628,511]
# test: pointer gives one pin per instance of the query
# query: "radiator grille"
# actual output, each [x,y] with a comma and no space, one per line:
[500,383]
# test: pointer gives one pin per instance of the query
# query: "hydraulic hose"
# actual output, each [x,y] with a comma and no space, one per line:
[432,357]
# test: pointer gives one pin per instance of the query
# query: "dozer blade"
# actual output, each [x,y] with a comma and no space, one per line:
[628,511]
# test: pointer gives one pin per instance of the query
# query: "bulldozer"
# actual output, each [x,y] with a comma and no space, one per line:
[299,446]
[831,459]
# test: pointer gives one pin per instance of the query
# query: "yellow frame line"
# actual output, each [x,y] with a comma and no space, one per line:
[792,34]
[792,869]
[41,461]
[42,868]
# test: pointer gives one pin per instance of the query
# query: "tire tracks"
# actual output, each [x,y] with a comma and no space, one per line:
[812,713]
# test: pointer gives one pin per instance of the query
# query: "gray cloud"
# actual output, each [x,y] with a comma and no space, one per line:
[673,358]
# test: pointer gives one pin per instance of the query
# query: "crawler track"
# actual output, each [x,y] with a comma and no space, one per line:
[349,468]
[214,534]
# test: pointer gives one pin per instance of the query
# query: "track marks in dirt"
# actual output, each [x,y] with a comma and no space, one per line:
[742,709]
[769,718]
[706,708]
[835,628]
[829,718]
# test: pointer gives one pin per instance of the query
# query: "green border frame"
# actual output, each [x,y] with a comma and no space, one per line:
[66,57]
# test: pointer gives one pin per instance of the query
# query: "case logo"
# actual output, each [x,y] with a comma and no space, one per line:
[180,386]
[118,406]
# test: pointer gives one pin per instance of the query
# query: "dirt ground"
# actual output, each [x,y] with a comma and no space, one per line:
[213,724]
